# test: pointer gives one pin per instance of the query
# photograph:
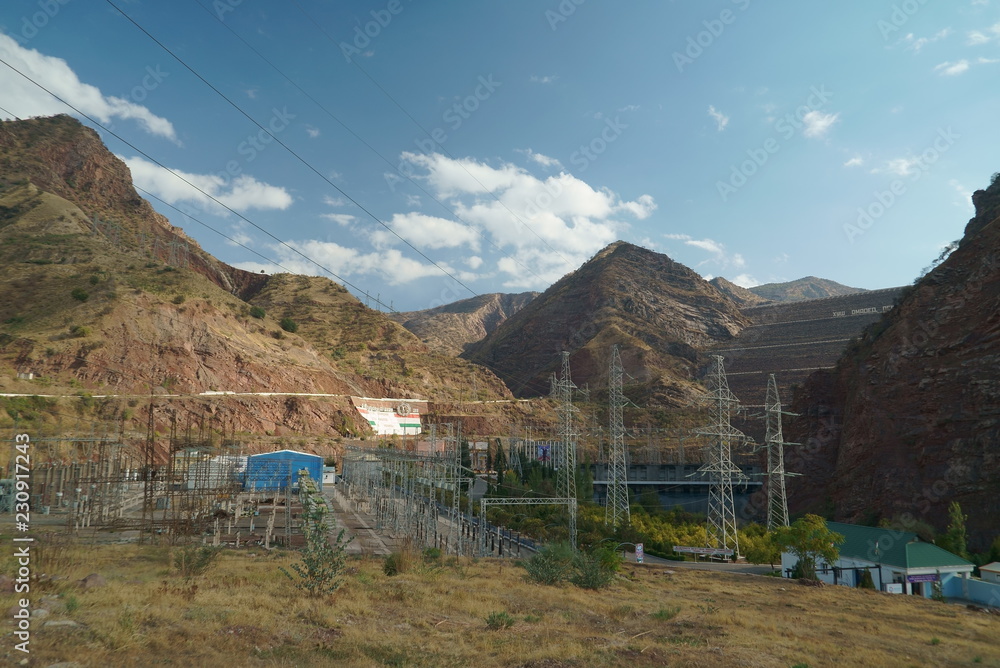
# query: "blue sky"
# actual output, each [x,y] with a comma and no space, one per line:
[427,151]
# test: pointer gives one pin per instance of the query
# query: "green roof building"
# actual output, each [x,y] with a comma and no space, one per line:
[899,561]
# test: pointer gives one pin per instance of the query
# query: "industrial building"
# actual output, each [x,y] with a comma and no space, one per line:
[277,471]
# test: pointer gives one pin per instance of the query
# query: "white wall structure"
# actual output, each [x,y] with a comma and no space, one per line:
[391,416]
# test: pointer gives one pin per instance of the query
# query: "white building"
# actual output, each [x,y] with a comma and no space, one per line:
[990,572]
[898,560]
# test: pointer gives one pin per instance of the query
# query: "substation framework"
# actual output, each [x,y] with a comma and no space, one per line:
[183,489]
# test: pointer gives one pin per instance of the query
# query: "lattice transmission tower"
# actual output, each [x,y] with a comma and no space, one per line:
[566,478]
[616,511]
[719,466]
[777,503]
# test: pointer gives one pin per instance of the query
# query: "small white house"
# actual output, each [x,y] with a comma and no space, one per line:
[898,561]
[329,475]
[990,572]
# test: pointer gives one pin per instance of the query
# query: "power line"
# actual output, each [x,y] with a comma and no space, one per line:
[361,139]
[425,131]
[176,174]
[289,149]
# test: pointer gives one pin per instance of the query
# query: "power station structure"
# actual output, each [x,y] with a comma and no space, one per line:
[719,466]
[616,510]
[566,479]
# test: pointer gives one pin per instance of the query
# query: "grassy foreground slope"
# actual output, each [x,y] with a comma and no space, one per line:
[245,613]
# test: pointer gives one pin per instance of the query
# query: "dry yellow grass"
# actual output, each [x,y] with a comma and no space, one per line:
[245,613]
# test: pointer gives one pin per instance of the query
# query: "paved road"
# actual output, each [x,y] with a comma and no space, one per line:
[739,567]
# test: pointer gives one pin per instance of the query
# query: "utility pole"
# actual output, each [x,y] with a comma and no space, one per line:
[566,478]
[616,510]
[777,503]
[719,466]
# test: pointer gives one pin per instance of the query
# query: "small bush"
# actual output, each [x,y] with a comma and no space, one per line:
[95,279]
[72,604]
[79,294]
[179,299]
[79,331]
[666,614]
[257,312]
[591,572]
[497,621]
[192,560]
[552,566]
[289,325]
[398,562]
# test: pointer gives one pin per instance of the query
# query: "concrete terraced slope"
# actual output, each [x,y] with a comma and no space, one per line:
[450,328]
[793,339]
[809,287]
[909,420]
[658,311]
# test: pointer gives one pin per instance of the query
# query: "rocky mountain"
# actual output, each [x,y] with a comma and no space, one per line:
[658,311]
[809,287]
[450,328]
[742,296]
[99,294]
[909,420]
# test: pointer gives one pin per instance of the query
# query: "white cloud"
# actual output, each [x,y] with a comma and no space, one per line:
[242,193]
[678,237]
[817,123]
[342,219]
[23,99]
[899,166]
[719,258]
[964,195]
[978,37]
[630,107]
[389,264]
[547,226]
[917,43]
[543,80]
[474,262]
[426,232]
[856,161]
[333,201]
[721,120]
[782,258]
[746,281]
[543,160]
[413,200]
[312,132]
[949,69]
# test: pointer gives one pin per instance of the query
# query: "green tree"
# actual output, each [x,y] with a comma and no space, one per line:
[866,580]
[809,539]
[953,539]
[257,312]
[289,325]
[322,567]
[760,549]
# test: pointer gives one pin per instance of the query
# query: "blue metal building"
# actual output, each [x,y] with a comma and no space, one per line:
[276,470]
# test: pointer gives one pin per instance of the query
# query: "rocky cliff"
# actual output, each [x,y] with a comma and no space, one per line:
[450,328]
[740,295]
[658,311]
[96,300]
[909,420]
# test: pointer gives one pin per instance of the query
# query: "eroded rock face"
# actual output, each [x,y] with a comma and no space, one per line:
[910,419]
[450,328]
[660,312]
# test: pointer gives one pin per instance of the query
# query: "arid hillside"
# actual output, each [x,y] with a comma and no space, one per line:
[909,420]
